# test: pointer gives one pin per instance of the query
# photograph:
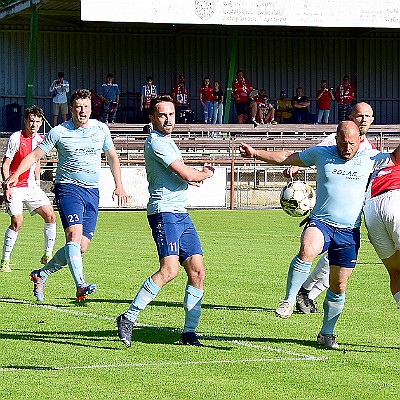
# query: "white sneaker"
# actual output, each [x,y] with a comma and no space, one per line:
[284,310]
[255,123]
[329,341]
[5,266]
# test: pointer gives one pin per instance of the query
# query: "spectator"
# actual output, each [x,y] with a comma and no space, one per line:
[180,95]
[324,96]
[283,108]
[206,100]
[241,89]
[218,103]
[109,93]
[265,110]
[97,104]
[59,89]
[147,92]
[344,95]
[300,104]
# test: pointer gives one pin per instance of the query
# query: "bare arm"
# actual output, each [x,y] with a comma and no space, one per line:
[271,157]
[5,172]
[141,102]
[5,168]
[190,174]
[24,165]
[201,99]
[113,162]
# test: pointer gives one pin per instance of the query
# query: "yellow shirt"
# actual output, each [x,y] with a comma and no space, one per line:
[283,107]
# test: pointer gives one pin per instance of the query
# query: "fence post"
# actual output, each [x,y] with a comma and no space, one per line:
[232,200]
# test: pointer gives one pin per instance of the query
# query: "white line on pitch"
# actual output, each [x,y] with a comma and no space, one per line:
[297,356]
[160,364]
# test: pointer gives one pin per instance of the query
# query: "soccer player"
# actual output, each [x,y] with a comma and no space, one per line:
[334,222]
[318,280]
[382,220]
[175,236]
[27,190]
[79,142]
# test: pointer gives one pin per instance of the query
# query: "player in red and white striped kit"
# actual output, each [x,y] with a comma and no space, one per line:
[382,218]
[27,191]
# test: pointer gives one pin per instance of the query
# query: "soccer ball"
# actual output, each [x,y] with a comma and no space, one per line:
[297,198]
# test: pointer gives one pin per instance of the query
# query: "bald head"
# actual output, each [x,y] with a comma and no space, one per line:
[347,139]
[363,116]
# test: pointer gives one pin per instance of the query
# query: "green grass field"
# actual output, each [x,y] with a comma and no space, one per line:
[61,350]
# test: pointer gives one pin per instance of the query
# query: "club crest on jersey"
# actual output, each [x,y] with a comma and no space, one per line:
[205,8]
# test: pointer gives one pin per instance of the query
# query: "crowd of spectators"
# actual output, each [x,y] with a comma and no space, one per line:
[251,105]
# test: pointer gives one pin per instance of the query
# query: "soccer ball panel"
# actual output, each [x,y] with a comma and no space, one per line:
[297,198]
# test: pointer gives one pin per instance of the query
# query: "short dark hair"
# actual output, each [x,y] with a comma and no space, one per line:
[149,78]
[109,75]
[157,100]
[35,110]
[80,94]
[60,74]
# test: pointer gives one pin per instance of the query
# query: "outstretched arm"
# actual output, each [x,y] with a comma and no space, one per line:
[271,157]
[113,162]
[190,174]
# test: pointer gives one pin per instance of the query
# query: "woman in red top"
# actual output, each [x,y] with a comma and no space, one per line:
[324,96]
[206,100]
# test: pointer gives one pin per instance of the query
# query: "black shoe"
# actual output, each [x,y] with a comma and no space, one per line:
[190,338]
[303,302]
[125,330]
[255,123]
[313,307]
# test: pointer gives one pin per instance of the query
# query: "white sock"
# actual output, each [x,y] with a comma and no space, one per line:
[317,289]
[320,272]
[49,231]
[396,297]
[10,237]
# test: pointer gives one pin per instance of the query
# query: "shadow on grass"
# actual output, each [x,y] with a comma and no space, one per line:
[176,304]
[75,338]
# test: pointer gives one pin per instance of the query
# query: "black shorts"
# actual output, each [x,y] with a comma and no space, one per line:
[241,108]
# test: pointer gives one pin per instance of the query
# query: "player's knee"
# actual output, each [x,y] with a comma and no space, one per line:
[16,223]
[338,287]
[50,218]
[168,274]
[196,274]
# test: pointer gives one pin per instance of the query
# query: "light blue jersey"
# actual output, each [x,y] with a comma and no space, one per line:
[168,191]
[341,184]
[79,151]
